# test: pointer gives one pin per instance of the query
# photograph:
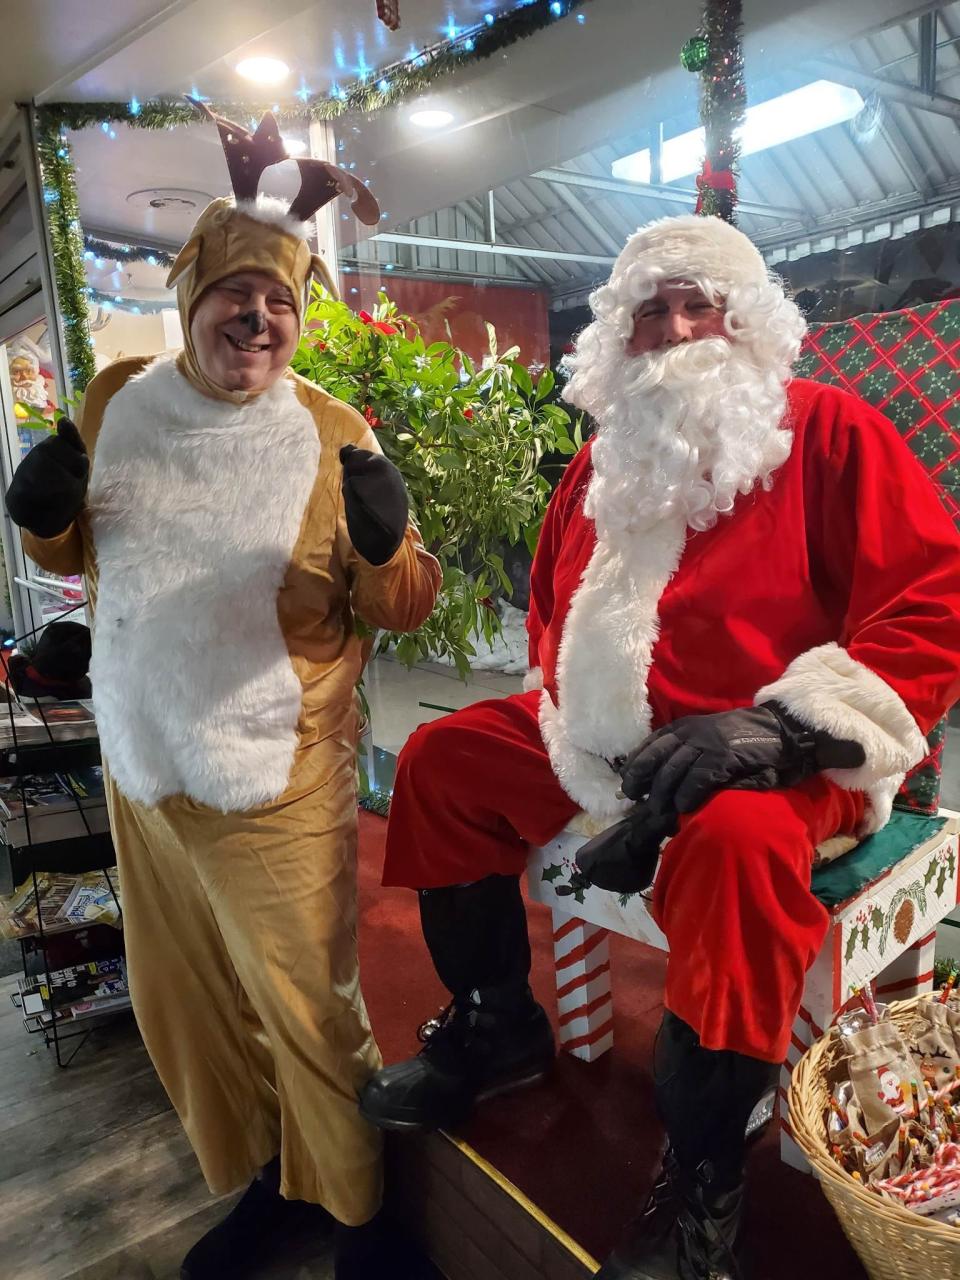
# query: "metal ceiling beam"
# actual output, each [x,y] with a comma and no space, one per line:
[473,246]
[588,220]
[928,53]
[939,104]
[652,191]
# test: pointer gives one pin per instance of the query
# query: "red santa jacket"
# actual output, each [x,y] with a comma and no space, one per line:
[837,592]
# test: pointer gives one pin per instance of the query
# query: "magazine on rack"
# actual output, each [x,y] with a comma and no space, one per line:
[82,983]
[28,725]
[66,902]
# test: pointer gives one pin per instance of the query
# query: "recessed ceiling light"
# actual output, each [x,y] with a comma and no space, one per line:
[294,146]
[431,119]
[263,70]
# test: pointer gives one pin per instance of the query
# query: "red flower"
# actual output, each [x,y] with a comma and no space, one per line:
[380,325]
[468,413]
[486,602]
[371,417]
[321,346]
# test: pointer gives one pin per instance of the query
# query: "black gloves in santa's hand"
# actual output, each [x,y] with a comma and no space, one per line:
[375,501]
[50,484]
[683,764]
[623,858]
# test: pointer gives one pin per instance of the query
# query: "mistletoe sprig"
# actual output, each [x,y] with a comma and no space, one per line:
[468,441]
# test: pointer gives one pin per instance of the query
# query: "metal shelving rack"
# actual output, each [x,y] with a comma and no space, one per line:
[90,852]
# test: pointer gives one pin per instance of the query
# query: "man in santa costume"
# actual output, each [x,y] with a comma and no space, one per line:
[744,618]
[232,521]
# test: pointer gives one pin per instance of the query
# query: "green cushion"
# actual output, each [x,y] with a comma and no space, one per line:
[847,878]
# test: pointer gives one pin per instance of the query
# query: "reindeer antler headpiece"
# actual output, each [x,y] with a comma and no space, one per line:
[250,232]
[258,232]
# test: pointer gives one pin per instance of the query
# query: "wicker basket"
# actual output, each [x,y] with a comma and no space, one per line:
[893,1243]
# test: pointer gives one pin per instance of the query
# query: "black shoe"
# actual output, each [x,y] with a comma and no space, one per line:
[376,1251]
[685,1231]
[473,1051]
[231,1249]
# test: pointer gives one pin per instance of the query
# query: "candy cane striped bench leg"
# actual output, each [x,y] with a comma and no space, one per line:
[582,962]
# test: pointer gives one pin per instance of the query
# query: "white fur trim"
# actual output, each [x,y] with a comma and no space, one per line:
[688,247]
[196,505]
[275,212]
[585,778]
[533,680]
[827,689]
[604,661]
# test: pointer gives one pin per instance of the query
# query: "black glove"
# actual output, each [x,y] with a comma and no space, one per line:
[50,484]
[683,764]
[375,500]
[623,858]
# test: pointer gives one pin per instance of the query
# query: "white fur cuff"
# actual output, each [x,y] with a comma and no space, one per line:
[827,689]
[533,680]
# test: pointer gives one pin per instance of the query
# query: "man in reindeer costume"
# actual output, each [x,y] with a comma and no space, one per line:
[756,569]
[236,522]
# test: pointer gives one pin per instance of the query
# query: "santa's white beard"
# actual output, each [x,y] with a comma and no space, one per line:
[681,431]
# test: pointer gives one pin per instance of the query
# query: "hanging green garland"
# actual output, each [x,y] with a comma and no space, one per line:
[66,242]
[126,252]
[716,54]
[375,92]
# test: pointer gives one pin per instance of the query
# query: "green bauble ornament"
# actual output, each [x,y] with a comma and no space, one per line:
[695,53]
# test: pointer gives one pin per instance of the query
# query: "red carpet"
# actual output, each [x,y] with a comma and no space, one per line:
[584,1145]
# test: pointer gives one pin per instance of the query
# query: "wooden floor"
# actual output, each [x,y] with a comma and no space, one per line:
[97,1181]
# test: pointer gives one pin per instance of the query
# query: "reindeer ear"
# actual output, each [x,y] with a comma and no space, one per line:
[186,259]
[322,272]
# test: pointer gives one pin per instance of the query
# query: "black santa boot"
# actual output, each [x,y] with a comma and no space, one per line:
[259,1222]
[689,1227]
[493,1036]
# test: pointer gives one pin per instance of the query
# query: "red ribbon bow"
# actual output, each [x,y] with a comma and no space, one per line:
[714,180]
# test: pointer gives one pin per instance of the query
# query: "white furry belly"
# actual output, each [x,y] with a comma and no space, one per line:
[194,530]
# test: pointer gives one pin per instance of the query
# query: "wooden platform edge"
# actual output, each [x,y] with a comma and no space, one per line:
[471,1219]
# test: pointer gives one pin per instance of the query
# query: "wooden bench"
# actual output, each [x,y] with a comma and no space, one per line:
[885,901]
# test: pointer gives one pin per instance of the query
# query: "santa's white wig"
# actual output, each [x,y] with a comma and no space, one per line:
[684,429]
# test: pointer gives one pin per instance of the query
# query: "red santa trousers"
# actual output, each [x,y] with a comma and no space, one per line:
[473,791]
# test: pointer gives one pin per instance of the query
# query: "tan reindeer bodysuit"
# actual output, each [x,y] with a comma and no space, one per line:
[225,588]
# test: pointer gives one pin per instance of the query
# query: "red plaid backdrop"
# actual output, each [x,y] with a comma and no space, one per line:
[907,364]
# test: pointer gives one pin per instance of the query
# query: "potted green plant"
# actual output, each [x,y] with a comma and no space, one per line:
[469,443]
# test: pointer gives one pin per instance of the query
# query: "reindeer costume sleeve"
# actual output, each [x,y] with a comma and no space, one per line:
[224,668]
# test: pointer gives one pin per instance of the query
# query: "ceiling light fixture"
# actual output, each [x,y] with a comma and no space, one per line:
[431,119]
[792,115]
[263,70]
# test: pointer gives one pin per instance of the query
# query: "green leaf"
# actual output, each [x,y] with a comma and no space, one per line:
[545,384]
[553,872]
[522,378]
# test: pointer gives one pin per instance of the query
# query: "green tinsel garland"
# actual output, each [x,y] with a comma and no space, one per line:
[380,89]
[97,298]
[66,242]
[723,102]
[127,252]
[400,81]
[376,801]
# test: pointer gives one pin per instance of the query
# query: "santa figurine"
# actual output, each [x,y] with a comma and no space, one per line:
[744,618]
[233,522]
